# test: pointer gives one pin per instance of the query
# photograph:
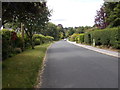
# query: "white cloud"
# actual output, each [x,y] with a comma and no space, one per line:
[74,12]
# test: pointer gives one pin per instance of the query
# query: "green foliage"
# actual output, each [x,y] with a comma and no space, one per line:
[78,30]
[33,15]
[71,31]
[77,39]
[7,43]
[40,39]
[81,38]
[87,38]
[37,41]
[108,37]
[11,47]
[53,31]
[115,38]
[49,38]
[19,42]
[112,10]
[21,71]
[73,37]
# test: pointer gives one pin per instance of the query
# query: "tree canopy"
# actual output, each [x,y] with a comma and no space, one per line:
[34,15]
[108,15]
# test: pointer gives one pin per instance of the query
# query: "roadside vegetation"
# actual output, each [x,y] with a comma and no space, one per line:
[109,37]
[21,71]
[106,31]
[27,33]
[13,42]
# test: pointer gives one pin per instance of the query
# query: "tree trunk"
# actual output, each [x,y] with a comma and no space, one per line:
[31,42]
[30,35]
[22,30]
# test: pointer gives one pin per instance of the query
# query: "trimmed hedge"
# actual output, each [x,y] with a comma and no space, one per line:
[37,41]
[49,38]
[87,38]
[107,37]
[42,39]
[81,38]
[73,37]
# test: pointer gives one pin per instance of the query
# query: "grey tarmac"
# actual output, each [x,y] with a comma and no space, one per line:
[71,66]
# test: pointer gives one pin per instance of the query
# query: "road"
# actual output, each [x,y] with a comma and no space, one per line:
[70,66]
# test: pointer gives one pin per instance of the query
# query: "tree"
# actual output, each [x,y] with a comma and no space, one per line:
[80,30]
[51,30]
[33,15]
[71,31]
[62,31]
[100,18]
[113,13]
[108,15]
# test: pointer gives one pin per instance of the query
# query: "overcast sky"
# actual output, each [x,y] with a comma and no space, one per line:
[71,13]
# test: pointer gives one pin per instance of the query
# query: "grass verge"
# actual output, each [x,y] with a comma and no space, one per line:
[21,71]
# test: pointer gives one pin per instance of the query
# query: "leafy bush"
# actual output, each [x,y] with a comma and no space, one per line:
[19,42]
[42,38]
[115,37]
[49,38]
[77,39]
[39,36]
[81,38]
[7,48]
[37,41]
[73,37]
[108,37]
[12,42]
[87,38]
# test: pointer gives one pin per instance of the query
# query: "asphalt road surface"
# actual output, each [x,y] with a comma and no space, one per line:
[70,66]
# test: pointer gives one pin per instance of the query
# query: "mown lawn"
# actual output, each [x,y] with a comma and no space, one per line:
[21,71]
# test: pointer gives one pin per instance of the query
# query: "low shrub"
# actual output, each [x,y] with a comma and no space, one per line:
[19,42]
[49,38]
[13,43]
[42,38]
[81,38]
[77,39]
[39,36]
[7,43]
[37,41]
[73,37]
[107,37]
[87,38]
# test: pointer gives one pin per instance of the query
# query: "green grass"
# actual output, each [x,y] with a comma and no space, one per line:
[21,71]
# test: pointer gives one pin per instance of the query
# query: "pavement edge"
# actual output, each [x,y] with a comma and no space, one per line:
[102,52]
[40,73]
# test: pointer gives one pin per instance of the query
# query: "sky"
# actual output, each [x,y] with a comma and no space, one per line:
[73,13]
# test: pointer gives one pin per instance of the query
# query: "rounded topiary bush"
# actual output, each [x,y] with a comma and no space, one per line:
[37,41]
